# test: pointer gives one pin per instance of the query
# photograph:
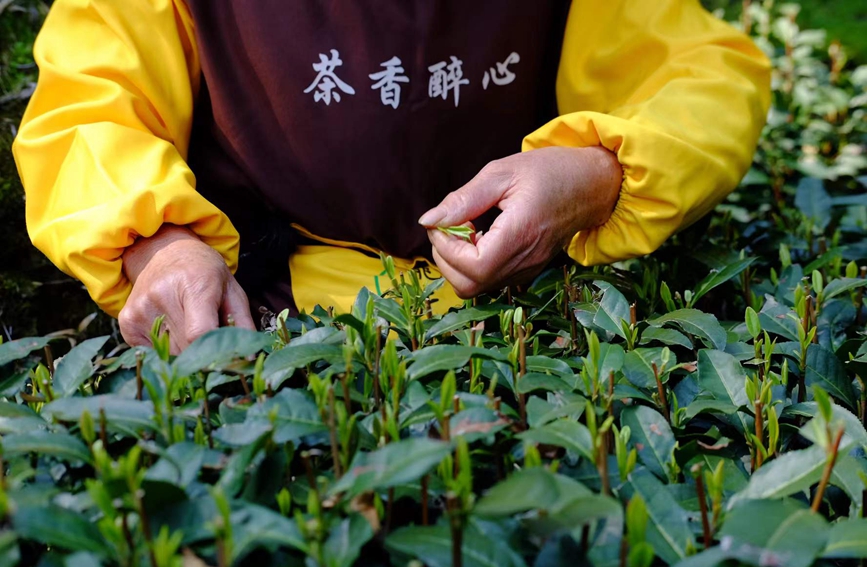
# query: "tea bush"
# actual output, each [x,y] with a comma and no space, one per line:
[702,406]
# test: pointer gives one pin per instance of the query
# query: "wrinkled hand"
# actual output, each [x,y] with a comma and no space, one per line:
[545,195]
[177,275]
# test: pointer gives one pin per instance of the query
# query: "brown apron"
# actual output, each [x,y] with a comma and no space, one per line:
[354,117]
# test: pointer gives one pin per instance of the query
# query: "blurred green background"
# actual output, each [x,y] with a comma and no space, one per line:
[27,288]
[36,298]
[844,20]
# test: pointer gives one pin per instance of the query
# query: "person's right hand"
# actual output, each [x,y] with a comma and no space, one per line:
[177,275]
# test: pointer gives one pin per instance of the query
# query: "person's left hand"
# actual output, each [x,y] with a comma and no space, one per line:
[545,195]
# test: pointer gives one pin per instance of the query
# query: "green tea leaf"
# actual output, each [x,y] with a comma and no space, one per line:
[775,319]
[652,436]
[58,527]
[189,517]
[709,406]
[121,413]
[754,326]
[533,381]
[855,432]
[77,366]
[397,463]
[719,277]
[668,530]
[535,488]
[813,201]
[610,360]
[713,557]
[549,366]
[389,309]
[474,424]
[721,376]
[669,337]
[787,474]
[219,347]
[179,464]
[571,435]
[46,443]
[294,415]
[433,546]
[641,555]
[462,232]
[234,473]
[20,348]
[847,476]
[826,370]
[638,369]
[841,286]
[256,526]
[460,319]
[539,413]
[784,531]
[439,358]
[280,365]
[696,323]
[847,539]
[16,418]
[573,513]
[613,308]
[345,541]
[241,434]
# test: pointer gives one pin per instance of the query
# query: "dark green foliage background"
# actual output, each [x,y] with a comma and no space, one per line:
[584,420]
[35,298]
[843,19]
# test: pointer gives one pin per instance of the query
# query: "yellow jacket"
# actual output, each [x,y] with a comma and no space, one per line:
[679,96]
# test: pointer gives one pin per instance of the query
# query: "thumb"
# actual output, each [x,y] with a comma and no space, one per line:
[201,314]
[482,193]
[235,303]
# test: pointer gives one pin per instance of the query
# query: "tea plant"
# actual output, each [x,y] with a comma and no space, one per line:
[499,434]
[703,406]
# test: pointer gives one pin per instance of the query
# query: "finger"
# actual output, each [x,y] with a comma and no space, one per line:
[449,246]
[154,305]
[471,237]
[509,246]
[467,286]
[489,259]
[472,200]
[201,314]
[131,327]
[521,277]
[176,339]
[136,319]
[464,287]
[173,325]
[235,303]
[136,327]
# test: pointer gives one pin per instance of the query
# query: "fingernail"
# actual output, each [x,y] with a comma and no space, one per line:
[432,217]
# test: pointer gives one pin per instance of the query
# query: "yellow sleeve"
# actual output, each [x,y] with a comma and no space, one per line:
[678,95]
[102,147]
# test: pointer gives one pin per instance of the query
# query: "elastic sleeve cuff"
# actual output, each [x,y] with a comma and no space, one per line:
[94,255]
[656,199]
[87,244]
